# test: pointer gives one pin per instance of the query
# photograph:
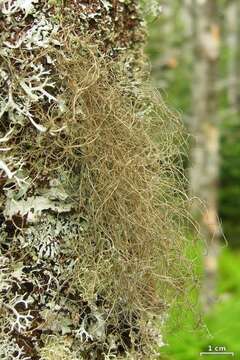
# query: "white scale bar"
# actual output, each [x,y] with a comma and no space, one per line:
[217,353]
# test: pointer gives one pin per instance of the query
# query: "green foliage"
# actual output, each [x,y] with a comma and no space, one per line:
[187,338]
[230,180]
[229,189]
[229,272]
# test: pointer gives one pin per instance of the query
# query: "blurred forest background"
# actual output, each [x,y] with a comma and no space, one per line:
[194,48]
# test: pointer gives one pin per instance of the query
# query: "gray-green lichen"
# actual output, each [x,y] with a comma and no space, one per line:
[44,311]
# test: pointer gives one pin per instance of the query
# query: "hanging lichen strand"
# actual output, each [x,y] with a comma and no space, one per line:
[88,248]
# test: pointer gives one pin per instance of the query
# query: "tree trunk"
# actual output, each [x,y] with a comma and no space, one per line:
[204,167]
[80,178]
[233,44]
[43,314]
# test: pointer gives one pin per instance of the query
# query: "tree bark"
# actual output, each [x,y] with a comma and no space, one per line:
[233,47]
[42,317]
[204,167]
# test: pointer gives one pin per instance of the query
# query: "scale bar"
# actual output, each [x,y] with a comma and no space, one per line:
[216,353]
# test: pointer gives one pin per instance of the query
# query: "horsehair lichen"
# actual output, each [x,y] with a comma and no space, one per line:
[90,194]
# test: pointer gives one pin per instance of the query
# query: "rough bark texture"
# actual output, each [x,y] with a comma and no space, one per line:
[41,316]
[204,167]
[80,225]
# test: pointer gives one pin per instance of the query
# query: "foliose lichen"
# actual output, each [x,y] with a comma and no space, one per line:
[48,306]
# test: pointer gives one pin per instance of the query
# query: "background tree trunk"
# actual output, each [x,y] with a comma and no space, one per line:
[204,167]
